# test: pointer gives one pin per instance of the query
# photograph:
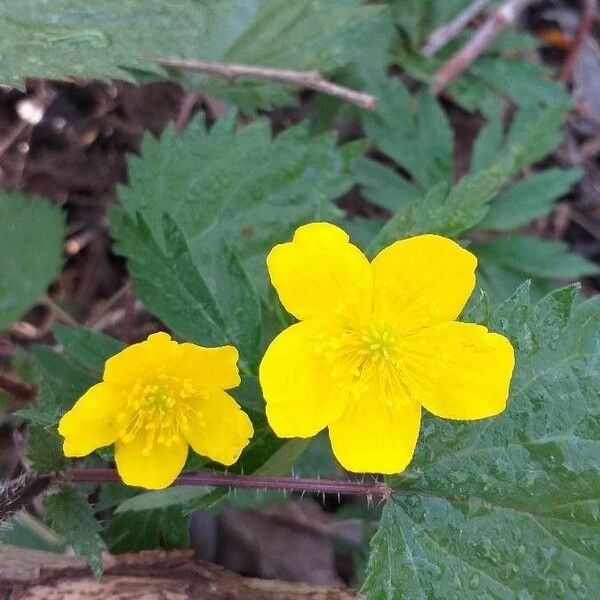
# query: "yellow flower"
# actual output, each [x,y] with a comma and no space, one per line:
[157,397]
[375,342]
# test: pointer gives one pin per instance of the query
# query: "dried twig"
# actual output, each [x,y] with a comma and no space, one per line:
[307,79]
[589,8]
[441,36]
[498,20]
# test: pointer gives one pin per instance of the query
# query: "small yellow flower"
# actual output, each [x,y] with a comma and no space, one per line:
[157,397]
[375,342]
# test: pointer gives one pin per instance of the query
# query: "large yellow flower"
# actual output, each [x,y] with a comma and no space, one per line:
[375,342]
[157,397]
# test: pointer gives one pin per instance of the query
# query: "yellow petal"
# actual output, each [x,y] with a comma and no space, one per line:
[138,360]
[155,470]
[209,367]
[370,437]
[218,427]
[460,370]
[92,422]
[320,272]
[296,379]
[422,281]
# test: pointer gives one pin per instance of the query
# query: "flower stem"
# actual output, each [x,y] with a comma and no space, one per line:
[372,490]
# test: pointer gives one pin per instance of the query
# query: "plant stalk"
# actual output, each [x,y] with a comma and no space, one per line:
[372,490]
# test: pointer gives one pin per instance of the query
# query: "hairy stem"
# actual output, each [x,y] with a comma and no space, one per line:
[373,490]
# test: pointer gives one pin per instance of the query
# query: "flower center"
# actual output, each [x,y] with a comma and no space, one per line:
[367,360]
[160,410]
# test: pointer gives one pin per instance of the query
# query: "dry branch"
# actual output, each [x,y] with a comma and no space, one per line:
[441,36]
[502,17]
[589,9]
[311,80]
[34,575]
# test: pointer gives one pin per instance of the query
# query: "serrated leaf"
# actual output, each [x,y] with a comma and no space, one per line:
[534,257]
[507,507]
[416,134]
[70,515]
[62,382]
[247,188]
[31,236]
[447,212]
[169,282]
[529,199]
[534,132]
[44,450]
[120,40]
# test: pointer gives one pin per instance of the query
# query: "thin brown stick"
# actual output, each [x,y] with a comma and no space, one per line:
[311,80]
[502,17]
[374,490]
[441,36]
[589,8]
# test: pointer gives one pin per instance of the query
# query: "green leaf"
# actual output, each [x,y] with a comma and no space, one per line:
[529,199]
[169,282]
[44,450]
[447,212]
[148,529]
[507,507]
[534,257]
[383,186]
[247,188]
[70,515]
[534,132]
[90,348]
[526,82]
[63,381]
[418,138]
[181,494]
[120,40]
[31,236]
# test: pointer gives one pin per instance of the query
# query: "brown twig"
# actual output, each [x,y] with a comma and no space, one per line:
[441,36]
[589,8]
[375,490]
[307,79]
[16,389]
[498,20]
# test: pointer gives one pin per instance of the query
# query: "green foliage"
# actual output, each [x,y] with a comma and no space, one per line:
[538,258]
[169,282]
[31,235]
[498,70]
[70,515]
[91,349]
[147,529]
[120,40]
[444,211]
[507,507]
[417,136]
[415,133]
[529,199]
[63,382]
[44,450]
[244,187]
